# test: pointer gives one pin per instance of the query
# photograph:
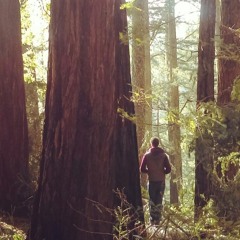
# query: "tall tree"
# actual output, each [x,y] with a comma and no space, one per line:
[174,133]
[13,132]
[229,64]
[89,150]
[205,93]
[141,71]
[229,72]
[32,90]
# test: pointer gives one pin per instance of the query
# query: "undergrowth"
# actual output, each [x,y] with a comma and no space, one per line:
[177,224]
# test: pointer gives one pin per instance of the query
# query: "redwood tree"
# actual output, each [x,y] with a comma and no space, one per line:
[205,93]
[141,76]
[14,174]
[229,64]
[89,150]
[229,72]
[174,133]
[141,71]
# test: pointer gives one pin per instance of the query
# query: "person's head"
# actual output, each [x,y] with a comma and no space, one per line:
[154,142]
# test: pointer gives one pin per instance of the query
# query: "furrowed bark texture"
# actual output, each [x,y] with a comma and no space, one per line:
[13,122]
[229,63]
[88,149]
[205,93]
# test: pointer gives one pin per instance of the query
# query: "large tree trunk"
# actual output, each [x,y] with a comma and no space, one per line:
[88,149]
[174,133]
[229,72]
[14,173]
[229,64]
[205,93]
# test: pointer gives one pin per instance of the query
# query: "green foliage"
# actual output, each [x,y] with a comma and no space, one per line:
[173,116]
[18,237]
[27,40]
[235,95]
[218,139]
[128,5]
[229,52]
[120,229]
[177,223]
[127,220]
[217,127]
[123,36]
[226,198]
[35,71]
[126,115]
[226,161]
[9,230]
[12,237]
[213,227]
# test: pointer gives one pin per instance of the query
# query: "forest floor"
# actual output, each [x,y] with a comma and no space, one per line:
[13,228]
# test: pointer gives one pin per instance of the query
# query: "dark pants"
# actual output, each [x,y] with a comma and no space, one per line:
[156,191]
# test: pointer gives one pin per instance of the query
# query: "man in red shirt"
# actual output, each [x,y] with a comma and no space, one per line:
[156,164]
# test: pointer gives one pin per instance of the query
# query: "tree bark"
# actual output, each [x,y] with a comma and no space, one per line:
[205,93]
[174,133]
[89,150]
[34,128]
[229,64]
[14,174]
[141,72]
[141,77]
[229,72]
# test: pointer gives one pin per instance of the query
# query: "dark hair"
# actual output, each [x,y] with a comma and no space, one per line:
[154,142]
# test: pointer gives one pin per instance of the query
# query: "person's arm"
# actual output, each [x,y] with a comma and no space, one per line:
[167,165]
[143,167]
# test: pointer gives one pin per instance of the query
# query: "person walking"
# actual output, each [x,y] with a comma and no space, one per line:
[156,164]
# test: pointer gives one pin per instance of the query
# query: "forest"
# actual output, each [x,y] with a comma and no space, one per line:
[85,85]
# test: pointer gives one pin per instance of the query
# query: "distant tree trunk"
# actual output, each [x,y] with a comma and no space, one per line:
[217,25]
[174,133]
[217,36]
[14,174]
[205,93]
[34,128]
[229,66]
[148,77]
[32,91]
[141,71]
[88,149]
[148,82]
[141,77]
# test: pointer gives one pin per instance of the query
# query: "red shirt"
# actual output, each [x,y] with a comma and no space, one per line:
[156,164]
